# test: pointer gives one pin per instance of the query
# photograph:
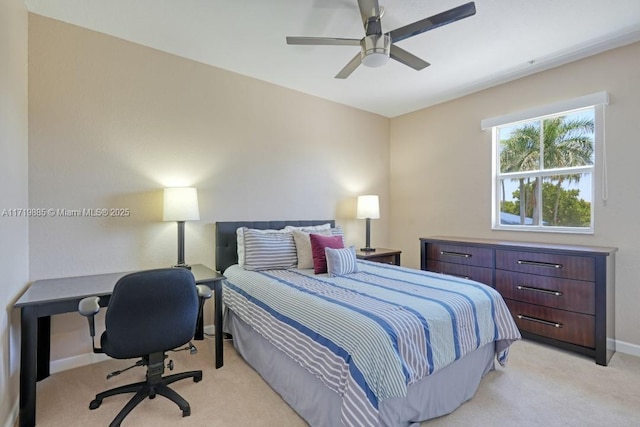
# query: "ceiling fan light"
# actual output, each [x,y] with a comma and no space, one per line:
[375,50]
[375,59]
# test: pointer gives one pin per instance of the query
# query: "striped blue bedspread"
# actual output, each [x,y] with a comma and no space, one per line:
[369,335]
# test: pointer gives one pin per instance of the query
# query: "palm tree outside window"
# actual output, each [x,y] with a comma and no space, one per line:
[544,172]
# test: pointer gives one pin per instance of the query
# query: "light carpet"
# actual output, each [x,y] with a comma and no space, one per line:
[540,386]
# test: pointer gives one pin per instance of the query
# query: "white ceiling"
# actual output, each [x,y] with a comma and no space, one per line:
[506,39]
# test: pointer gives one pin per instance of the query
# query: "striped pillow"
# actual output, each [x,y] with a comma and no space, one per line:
[337,232]
[341,261]
[240,239]
[268,251]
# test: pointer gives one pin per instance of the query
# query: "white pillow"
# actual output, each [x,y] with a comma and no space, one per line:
[268,251]
[341,261]
[309,228]
[303,246]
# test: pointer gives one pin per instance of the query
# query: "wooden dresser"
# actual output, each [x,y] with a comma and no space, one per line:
[558,294]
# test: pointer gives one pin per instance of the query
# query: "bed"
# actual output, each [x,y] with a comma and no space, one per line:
[379,346]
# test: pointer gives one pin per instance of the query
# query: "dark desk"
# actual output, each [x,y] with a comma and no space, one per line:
[55,296]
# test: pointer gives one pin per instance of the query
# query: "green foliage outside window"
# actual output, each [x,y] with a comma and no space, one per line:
[543,162]
[571,211]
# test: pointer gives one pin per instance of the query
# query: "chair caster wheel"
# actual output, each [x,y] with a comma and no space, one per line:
[95,403]
[197,378]
[186,412]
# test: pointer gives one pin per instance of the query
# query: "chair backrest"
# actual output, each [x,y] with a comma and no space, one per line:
[150,311]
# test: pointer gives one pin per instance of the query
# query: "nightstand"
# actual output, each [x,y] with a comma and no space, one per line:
[382,255]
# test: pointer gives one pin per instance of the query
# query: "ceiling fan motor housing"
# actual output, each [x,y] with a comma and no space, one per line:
[375,50]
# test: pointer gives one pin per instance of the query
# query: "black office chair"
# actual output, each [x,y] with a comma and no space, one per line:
[150,312]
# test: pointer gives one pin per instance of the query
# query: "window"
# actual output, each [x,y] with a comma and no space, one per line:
[544,167]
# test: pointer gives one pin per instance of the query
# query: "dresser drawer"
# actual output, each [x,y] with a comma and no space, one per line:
[458,254]
[479,274]
[559,294]
[547,264]
[561,325]
[565,294]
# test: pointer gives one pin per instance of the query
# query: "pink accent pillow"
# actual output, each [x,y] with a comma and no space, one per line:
[318,243]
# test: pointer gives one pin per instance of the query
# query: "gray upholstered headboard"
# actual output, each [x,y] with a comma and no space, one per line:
[226,243]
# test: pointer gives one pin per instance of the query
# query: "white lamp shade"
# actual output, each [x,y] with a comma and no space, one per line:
[181,204]
[368,207]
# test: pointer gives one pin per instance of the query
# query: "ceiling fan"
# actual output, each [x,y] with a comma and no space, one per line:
[375,47]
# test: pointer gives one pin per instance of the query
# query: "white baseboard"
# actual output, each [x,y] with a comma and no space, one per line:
[628,348]
[89,358]
[210,329]
[76,361]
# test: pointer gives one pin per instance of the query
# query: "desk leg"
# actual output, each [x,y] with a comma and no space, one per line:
[28,365]
[44,347]
[217,291]
[199,335]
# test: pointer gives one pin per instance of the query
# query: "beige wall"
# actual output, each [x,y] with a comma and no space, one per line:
[441,168]
[111,123]
[13,194]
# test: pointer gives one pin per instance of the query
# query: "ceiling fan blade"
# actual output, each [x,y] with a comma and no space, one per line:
[349,68]
[408,59]
[435,21]
[326,41]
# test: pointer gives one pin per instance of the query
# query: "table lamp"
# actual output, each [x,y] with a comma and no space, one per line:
[180,205]
[368,208]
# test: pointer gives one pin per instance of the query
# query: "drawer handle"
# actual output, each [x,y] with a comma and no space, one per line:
[539,264]
[462,276]
[539,290]
[457,254]
[544,322]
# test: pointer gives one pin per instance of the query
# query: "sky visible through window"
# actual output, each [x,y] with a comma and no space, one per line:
[586,179]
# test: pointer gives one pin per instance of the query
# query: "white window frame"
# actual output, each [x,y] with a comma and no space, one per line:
[597,102]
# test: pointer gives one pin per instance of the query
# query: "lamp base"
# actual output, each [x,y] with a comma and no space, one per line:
[368,249]
[186,266]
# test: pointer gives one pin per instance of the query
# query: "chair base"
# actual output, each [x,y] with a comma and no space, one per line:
[149,388]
